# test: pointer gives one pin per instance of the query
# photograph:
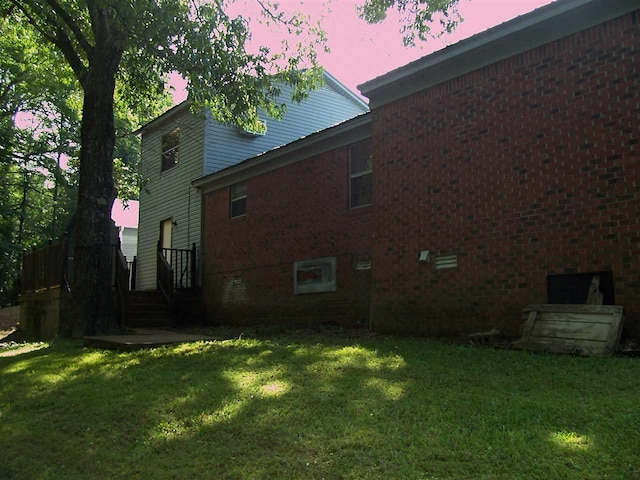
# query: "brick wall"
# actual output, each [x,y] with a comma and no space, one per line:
[526,168]
[295,213]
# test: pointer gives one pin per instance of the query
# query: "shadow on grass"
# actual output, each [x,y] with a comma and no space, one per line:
[302,408]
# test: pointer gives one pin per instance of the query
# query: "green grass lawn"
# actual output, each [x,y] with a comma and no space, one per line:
[312,407]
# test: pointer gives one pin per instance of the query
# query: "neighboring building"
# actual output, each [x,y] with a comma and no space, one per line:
[125,218]
[505,172]
[181,146]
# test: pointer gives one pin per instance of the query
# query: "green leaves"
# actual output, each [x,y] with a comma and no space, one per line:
[417,16]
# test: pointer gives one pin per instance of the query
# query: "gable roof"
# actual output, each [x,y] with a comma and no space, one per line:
[330,80]
[541,26]
[164,117]
[350,131]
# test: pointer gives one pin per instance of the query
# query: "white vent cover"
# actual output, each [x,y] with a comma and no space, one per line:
[364,265]
[253,133]
[446,261]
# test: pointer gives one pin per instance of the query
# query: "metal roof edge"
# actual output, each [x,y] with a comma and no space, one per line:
[354,129]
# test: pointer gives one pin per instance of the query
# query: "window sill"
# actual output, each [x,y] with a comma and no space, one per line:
[361,210]
[166,170]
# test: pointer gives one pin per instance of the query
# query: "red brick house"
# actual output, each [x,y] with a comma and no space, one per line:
[504,171]
[291,220]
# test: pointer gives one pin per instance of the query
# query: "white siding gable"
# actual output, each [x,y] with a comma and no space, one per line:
[169,195]
[323,108]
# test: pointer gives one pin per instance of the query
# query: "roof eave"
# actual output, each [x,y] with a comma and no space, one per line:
[348,93]
[543,25]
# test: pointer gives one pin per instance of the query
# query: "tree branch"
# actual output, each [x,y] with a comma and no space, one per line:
[73,26]
[276,18]
[59,39]
[5,91]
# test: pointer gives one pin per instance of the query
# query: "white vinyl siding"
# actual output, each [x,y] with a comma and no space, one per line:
[169,194]
[129,242]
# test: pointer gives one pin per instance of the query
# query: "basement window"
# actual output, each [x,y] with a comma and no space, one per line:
[170,149]
[314,276]
[595,288]
[238,200]
[360,174]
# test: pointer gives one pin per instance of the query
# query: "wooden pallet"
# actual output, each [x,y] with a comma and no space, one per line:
[576,329]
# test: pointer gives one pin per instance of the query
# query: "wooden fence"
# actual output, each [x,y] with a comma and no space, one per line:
[44,267]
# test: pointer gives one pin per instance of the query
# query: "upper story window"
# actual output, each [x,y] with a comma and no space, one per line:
[360,168]
[238,200]
[170,149]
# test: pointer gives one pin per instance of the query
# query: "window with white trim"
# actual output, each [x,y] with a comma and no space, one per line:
[238,200]
[170,149]
[314,276]
[360,174]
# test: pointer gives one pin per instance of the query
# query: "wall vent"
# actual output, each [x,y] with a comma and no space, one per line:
[260,131]
[446,261]
[364,265]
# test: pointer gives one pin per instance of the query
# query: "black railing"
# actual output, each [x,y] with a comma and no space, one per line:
[164,277]
[122,284]
[133,268]
[182,263]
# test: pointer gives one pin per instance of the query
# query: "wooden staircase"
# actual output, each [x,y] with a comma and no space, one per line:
[175,303]
[148,309]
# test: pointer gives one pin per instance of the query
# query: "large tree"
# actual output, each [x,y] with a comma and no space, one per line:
[40,112]
[131,46]
[35,193]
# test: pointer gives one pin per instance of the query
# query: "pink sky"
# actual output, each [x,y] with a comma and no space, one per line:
[125,216]
[361,52]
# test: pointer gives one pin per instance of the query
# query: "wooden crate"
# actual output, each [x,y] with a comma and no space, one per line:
[576,329]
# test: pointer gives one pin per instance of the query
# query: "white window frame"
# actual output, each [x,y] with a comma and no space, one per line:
[355,175]
[328,282]
[233,200]
[175,148]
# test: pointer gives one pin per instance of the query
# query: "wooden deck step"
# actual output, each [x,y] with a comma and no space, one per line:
[148,309]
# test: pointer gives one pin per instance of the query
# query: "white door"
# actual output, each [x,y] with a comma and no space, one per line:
[166,232]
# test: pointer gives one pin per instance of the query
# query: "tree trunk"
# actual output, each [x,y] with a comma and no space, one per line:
[92,310]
